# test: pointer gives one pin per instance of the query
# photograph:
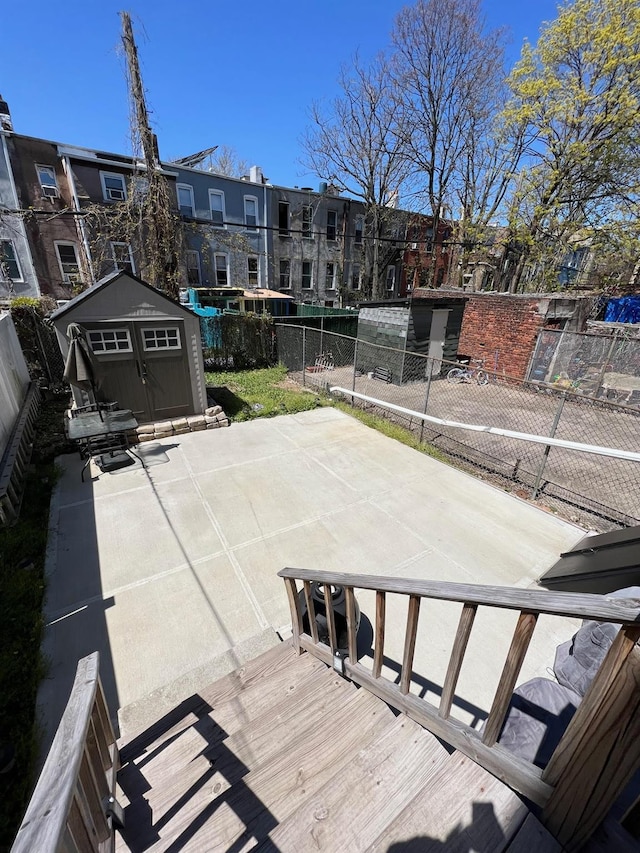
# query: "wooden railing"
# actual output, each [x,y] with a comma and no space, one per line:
[600,749]
[73,806]
[15,459]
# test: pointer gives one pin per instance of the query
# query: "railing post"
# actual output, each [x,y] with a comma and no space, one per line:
[294,606]
[600,750]
[355,363]
[426,396]
[545,455]
[304,355]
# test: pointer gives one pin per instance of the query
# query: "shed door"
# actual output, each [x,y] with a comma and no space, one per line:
[164,368]
[144,367]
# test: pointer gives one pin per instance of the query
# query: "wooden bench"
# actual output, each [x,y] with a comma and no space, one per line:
[383,374]
[15,459]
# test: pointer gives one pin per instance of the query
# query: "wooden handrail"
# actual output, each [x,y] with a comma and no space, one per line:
[72,805]
[597,754]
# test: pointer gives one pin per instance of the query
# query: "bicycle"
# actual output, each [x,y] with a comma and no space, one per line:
[468,374]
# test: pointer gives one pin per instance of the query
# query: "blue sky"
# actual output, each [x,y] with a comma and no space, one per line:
[241,74]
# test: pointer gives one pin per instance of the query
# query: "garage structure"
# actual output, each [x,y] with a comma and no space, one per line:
[147,348]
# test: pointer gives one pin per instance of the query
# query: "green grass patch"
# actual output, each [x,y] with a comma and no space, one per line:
[22,586]
[248,394]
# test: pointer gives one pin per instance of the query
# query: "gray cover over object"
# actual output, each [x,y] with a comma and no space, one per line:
[578,660]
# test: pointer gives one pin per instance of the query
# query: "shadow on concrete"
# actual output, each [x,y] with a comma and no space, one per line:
[74,610]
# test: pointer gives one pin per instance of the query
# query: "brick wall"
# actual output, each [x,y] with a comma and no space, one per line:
[502,330]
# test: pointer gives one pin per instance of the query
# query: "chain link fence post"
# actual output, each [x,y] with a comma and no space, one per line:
[426,396]
[547,449]
[304,355]
[355,362]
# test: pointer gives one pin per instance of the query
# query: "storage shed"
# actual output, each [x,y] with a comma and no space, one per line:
[147,348]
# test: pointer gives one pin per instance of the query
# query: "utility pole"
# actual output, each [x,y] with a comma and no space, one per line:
[160,233]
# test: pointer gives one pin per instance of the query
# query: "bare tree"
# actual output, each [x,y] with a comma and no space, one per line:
[354,144]
[448,77]
[225,160]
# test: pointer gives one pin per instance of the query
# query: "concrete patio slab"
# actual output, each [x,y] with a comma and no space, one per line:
[170,570]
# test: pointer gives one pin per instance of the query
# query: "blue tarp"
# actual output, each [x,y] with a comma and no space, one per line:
[211,331]
[625,309]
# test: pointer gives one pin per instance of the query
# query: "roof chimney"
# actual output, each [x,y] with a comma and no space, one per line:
[255,175]
[5,115]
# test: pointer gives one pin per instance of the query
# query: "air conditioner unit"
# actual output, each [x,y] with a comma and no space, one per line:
[115,195]
[50,192]
[72,278]
[414,245]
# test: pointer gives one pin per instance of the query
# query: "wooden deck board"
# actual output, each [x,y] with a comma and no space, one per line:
[351,810]
[532,837]
[461,806]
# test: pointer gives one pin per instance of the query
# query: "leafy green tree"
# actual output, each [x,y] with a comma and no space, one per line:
[578,91]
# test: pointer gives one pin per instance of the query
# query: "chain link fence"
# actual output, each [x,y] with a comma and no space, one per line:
[595,491]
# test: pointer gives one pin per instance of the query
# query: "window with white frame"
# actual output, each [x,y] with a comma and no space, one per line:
[185,200]
[359,230]
[139,188]
[113,186]
[283,218]
[307,215]
[391,279]
[9,265]
[252,270]
[48,182]
[122,257]
[307,275]
[68,261]
[216,206]
[250,212]
[221,265]
[285,274]
[355,277]
[332,224]
[162,338]
[330,277]
[193,267]
[110,340]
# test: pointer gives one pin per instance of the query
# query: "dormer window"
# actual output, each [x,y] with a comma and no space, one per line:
[113,186]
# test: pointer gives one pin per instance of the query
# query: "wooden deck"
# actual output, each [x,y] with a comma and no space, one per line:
[285,755]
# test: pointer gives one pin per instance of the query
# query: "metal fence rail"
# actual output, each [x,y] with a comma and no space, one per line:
[598,492]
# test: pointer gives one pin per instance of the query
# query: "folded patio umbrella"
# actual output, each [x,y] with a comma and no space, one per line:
[79,368]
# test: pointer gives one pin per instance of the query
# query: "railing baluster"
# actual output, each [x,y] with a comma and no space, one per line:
[511,670]
[311,611]
[600,750]
[378,653]
[331,619]
[455,661]
[352,639]
[91,800]
[413,612]
[294,606]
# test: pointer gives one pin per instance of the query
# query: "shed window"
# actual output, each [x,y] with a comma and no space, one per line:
[110,340]
[168,338]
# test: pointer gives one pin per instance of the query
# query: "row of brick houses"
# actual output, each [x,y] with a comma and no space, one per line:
[313,245]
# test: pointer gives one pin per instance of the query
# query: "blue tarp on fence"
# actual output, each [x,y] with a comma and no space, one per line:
[625,309]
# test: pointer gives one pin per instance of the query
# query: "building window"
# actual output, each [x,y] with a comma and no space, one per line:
[48,182]
[252,270]
[330,278]
[193,267]
[9,265]
[250,213]
[185,200]
[110,340]
[216,206]
[68,262]
[221,264]
[113,186]
[332,224]
[328,303]
[307,274]
[285,274]
[391,279]
[283,218]
[355,277]
[428,246]
[307,213]
[359,230]
[122,257]
[155,339]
